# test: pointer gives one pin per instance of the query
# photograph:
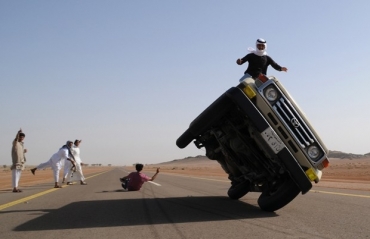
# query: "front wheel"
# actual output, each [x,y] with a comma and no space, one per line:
[278,195]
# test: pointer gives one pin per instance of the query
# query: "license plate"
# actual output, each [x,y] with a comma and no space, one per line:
[273,140]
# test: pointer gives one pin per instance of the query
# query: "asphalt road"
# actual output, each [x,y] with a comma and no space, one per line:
[176,207]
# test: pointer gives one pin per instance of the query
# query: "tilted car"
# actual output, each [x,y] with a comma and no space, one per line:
[262,140]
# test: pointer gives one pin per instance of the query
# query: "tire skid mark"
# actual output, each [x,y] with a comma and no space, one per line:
[148,215]
[200,207]
[233,215]
[189,188]
[166,215]
[149,193]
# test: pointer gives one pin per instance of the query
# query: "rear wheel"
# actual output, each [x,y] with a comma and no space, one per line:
[278,195]
[237,191]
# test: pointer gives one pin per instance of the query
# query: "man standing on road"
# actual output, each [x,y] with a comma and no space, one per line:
[56,162]
[78,175]
[135,180]
[18,159]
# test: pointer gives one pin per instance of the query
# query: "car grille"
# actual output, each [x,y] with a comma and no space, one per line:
[292,120]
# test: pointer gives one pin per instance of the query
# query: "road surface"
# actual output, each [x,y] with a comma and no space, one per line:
[175,206]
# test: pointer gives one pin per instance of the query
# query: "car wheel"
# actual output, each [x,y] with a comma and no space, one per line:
[184,139]
[237,191]
[278,195]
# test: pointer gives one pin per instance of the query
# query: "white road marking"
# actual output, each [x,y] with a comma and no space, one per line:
[209,179]
[342,194]
[154,183]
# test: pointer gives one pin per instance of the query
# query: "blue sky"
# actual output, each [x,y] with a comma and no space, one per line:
[127,77]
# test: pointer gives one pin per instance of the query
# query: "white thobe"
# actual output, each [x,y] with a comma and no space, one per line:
[56,162]
[16,175]
[78,175]
[67,168]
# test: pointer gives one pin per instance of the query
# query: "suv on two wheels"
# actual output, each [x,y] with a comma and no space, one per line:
[262,140]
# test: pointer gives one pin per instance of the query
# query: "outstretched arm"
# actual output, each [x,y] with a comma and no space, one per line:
[284,69]
[275,65]
[243,60]
[155,175]
[17,137]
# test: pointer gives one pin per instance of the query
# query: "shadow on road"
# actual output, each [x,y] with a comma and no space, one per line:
[132,212]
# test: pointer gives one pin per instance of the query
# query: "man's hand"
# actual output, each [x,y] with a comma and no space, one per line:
[155,175]
[284,69]
[73,163]
[239,61]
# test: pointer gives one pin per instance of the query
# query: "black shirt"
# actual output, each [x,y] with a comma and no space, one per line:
[259,64]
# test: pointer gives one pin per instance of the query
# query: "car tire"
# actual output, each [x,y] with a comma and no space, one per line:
[239,190]
[211,115]
[271,201]
[184,139]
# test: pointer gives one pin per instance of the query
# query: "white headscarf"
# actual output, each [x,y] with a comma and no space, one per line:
[257,51]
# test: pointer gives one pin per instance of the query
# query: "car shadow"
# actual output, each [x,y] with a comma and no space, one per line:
[145,211]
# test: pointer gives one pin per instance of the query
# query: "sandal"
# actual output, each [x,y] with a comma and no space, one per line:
[83,183]
[17,191]
[58,186]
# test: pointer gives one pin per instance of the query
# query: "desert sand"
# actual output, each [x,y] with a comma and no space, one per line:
[341,173]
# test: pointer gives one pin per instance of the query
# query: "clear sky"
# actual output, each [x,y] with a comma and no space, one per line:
[127,77]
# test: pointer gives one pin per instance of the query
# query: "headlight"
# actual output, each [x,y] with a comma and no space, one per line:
[313,152]
[271,94]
